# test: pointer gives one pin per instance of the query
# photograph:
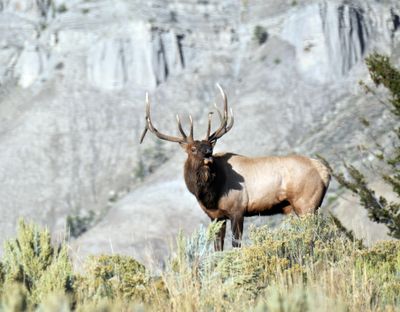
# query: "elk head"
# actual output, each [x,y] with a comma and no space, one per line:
[200,151]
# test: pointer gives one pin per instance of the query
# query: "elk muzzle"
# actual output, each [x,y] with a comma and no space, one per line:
[208,160]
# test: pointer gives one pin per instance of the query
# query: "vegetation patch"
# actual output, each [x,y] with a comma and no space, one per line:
[113,277]
[306,264]
[260,34]
[33,268]
[383,74]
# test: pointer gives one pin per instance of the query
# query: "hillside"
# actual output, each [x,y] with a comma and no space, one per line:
[73,77]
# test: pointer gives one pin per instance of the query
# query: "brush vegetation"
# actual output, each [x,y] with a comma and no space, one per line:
[381,210]
[306,264]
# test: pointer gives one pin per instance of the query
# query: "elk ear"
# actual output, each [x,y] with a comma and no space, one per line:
[184,146]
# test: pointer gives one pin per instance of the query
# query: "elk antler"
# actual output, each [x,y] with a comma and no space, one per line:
[149,126]
[223,117]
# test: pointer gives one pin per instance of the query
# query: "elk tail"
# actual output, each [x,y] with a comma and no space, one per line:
[323,171]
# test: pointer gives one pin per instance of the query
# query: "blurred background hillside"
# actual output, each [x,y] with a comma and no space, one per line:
[73,75]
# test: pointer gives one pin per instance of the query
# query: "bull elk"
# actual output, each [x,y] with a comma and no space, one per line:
[231,186]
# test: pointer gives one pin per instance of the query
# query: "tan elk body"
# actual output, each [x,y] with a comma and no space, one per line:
[231,186]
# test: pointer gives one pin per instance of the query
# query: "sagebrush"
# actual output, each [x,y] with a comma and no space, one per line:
[307,264]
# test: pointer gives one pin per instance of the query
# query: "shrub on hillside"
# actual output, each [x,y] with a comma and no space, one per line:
[380,210]
[300,243]
[32,262]
[306,264]
[113,277]
[310,257]
[35,274]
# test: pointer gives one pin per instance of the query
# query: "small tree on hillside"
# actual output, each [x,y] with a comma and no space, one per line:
[381,210]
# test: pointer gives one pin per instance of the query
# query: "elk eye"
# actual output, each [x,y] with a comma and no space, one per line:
[193,149]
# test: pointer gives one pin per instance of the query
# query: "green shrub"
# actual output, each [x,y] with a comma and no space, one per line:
[298,244]
[79,224]
[62,8]
[14,298]
[380,210]
[260,34]
[306,264]
[31,261]
[113,277]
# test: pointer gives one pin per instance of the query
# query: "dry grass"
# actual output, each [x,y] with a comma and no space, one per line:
[305,265]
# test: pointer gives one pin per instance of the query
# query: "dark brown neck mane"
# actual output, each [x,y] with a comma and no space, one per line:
[204,182]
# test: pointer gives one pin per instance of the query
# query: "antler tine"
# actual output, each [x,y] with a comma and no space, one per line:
[221,119]
[191,128]
[209,125]
[223,128]
[149,126]
[225,100]
[228,127]
[143,134]
[180,126]
[146,127]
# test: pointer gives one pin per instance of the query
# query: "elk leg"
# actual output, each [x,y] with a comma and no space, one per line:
[237,230]
[287,209]
[219,240]
[304,206]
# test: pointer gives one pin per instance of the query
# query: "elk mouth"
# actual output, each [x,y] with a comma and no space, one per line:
[208,160]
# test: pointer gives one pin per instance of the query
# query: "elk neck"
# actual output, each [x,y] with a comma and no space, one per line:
[204,181]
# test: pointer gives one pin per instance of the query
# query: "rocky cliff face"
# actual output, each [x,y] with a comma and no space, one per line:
[73,76]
